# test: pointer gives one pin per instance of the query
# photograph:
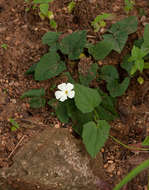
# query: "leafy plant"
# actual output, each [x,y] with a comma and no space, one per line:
[139,54]
[71,6]
[14,124]
[111,76]
[36,97]
[44,12]
[115,40]
[89,109]
[129,4]
[4,46]
[99,21]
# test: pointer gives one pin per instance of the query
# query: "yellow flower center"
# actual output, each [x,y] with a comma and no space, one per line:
[66,91]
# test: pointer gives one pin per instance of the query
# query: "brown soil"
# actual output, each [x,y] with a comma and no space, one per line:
[22,32]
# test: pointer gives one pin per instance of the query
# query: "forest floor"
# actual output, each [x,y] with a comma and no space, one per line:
[22,31]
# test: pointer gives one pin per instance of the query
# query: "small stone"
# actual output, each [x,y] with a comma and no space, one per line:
[110,161]
[105,165]
[143,18]
[103,30]
[14,101]
[118,173]
[110,168]
[116,8]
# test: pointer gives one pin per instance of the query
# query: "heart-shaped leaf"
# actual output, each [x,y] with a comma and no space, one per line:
[49,66]
[94,136]
[73,44]
[86,99]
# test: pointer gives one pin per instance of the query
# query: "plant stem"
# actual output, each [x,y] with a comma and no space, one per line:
[128,147]
[96,117]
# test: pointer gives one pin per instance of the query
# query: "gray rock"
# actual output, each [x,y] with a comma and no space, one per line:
[56,160]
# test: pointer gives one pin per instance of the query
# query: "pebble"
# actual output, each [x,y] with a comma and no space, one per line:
[14,101]
[118,173]
[143,18]
[116,8]
[111,168]
[110,161]
[106,165]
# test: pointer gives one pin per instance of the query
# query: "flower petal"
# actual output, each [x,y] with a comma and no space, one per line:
[62,86]
[71,94]
[59,94]
[63,98]
[69,86]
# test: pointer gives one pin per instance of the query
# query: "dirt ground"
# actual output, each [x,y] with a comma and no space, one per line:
[22,32]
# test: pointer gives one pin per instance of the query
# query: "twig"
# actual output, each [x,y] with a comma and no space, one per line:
[10,155]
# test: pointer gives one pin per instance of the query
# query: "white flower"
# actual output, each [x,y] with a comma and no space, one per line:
[65,90]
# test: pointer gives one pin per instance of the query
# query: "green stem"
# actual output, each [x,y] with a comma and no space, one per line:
[96,117]
[128,147]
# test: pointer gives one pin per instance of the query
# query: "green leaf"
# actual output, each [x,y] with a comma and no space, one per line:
[146,36]
[146,65]
[42,1]
[127,25]
[86,99]
[53,103]
[138,43]
[49,66]
[53,24]
[120,31]
[44,8]
[13,128]
[137,55]
[94,136]
[100,50]
[107,110]
[37,102]
[61,112]
[31,70]
[128,5]
[90,74]
[146,141]
[109,73]
[117,89]
[127,65]
[34,93]
[117,40]
[78,118]
[14,123]
[71,6]
[73,44]
[51,38]
[132,174]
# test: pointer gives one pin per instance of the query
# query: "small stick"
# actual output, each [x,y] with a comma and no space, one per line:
[10,155]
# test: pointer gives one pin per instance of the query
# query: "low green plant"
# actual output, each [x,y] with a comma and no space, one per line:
[4,46]
[99,21]
[44,12]
[91,109]
[88,109]
[115,39]
[36,97]
[129,4]
[71,6]
[138,60]
[14,124]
